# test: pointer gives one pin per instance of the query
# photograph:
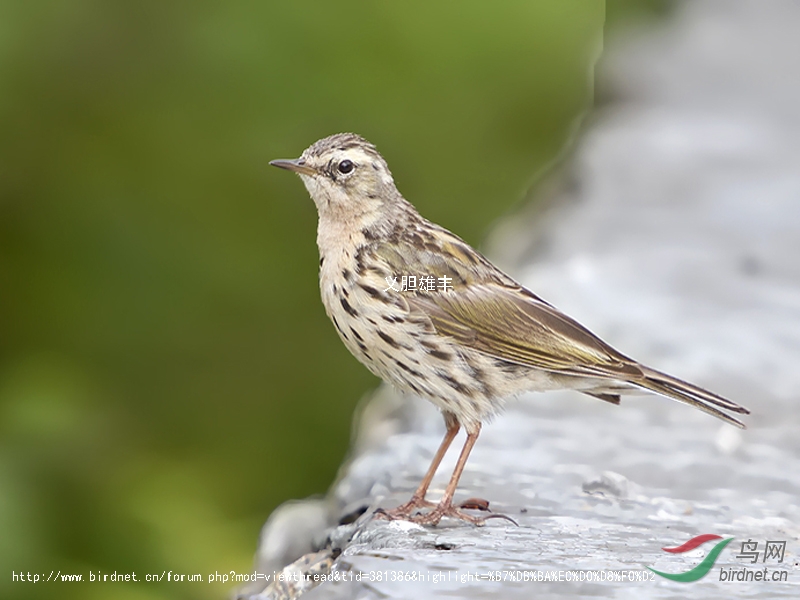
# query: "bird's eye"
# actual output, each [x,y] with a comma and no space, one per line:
[346,166]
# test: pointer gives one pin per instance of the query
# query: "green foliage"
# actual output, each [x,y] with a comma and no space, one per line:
[167,373]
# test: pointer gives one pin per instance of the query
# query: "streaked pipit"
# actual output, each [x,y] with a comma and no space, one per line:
[465,335]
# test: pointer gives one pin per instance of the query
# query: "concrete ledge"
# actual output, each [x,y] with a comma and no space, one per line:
[677,240]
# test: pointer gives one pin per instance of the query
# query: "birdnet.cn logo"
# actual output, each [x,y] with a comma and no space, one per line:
[774,551]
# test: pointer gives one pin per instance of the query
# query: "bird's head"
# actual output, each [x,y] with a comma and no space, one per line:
[345,175]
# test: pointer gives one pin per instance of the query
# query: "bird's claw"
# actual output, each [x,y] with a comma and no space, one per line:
[404,512]
[453,512]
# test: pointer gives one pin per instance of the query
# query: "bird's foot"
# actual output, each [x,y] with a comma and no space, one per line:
[458,512]
[406,512]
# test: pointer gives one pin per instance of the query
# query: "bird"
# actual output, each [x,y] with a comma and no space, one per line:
[429,314]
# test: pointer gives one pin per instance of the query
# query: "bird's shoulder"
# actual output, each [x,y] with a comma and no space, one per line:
[420,247]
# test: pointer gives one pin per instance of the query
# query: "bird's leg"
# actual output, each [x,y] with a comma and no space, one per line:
[418,498]
[445,507]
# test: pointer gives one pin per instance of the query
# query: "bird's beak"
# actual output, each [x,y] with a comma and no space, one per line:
[298,165]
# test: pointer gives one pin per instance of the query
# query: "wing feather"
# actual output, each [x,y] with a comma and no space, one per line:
[488,311]
[509,325]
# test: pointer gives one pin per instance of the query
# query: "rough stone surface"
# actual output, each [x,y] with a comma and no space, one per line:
[676,237]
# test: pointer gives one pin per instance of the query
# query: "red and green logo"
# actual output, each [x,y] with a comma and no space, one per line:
[705,566]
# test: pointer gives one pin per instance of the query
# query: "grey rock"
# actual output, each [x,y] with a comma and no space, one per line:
[674,234]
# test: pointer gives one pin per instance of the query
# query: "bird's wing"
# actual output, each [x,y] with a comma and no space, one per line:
[507,323]
[488,311]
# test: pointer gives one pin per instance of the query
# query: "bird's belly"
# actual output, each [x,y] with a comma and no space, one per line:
[405,350]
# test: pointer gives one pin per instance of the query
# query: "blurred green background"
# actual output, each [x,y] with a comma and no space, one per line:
[167,373]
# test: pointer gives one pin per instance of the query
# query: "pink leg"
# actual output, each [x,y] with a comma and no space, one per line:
[445,507]
[418,498]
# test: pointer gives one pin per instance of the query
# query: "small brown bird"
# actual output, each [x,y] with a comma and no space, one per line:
[424,311]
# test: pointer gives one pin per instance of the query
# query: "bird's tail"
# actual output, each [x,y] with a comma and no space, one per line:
[671,387]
